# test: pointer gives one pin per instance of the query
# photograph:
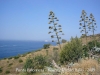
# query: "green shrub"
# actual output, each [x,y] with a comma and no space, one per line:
[24,55]
[37,50]
[28,52]
[91,44]
[38,62]
[29,64]
[64,41]
[7,72]
[5,58]
[7,61]
[0,70]
[72,51]
[85,51]
[16,57]
[46,46]
[20,60]
[55,48]
[46,52]
[10,64]
[10,57]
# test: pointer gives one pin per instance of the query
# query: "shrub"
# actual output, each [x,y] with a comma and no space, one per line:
[29,64]
[28,52]
[0,70]
[10,64]
[10,57]
[46,46]
[16,57]
[64,41]
[24,55]
[5,58]
[7,61]
[38,62]
[72,51]
[7,72]
[55,48]
[37,50]
[91,44]
[85,51]
[46,52]
[20,60]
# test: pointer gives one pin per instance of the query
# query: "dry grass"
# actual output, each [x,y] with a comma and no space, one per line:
[86,67]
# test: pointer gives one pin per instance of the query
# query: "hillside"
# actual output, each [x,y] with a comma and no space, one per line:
[90,38]
[9,65]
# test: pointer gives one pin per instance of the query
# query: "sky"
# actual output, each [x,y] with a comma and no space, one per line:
[28,19]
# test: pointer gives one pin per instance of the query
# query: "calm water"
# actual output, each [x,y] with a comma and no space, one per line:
[13,48]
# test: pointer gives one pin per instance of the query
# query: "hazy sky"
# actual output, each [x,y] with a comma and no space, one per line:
[28,19]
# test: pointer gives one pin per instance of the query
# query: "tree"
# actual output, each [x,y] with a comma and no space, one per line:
[72,51]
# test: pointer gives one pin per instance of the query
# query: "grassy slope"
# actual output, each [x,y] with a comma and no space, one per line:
[5,63]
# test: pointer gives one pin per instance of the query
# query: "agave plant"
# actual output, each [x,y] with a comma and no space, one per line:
[55,28]
[93,26]
[84,26]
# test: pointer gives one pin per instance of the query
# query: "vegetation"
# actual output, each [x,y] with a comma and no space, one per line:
[55,48]
[28,64]
[46,52]
[1,70]
[7,61]
[85,51]
[7,72]
[46,46]
[10,64]
[20,60]
[64,41]
[10,57]
[91,44]
[16,57]
[55,55]
[56,28]
[38,62]
[72,51]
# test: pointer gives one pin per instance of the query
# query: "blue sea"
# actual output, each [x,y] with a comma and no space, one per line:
[13,48]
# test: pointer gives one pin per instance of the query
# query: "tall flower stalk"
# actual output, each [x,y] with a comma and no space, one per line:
[84,25]
[55,28]
[92,22]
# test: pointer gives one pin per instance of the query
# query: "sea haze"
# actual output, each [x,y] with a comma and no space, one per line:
[13,48]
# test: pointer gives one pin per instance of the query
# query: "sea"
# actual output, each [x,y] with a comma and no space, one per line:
[10,48]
